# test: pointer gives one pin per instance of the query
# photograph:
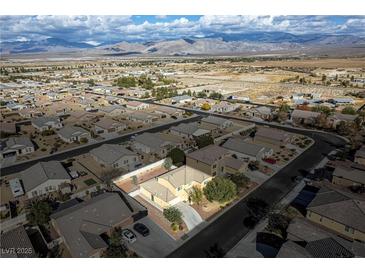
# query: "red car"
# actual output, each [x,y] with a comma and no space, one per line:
[270,161]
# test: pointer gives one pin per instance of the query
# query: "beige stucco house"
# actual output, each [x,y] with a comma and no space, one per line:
[173,187]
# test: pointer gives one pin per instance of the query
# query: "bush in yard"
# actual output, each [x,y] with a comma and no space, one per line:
[278,223]
[203,141]
[167,163]
[240,180]
[173,215]
[83,140]
[220,189]
[39,212]
[177,156]
[257,207]
[196,195]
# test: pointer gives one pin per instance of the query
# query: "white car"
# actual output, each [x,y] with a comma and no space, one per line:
[129,236]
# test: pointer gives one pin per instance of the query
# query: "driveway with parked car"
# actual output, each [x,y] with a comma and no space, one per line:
[156,244]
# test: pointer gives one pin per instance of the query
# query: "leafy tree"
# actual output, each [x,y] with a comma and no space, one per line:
[349,110]
[323,109]
[204,140]
[206,106]
[39,212]
[116,248]
[284,108]
[107,176]
[216,95]
[220,189]
[91,82]
[177,156]
[126,82]
[173,215]
[278,223]
[240,180]
[167,163]
[196,195]
[201,94]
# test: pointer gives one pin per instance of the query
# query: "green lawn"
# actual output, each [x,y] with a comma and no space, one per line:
[90,182]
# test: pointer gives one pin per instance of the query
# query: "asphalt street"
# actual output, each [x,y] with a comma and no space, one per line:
[227,230]
[81,150]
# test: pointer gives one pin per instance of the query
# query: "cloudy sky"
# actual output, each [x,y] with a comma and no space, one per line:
[109,29]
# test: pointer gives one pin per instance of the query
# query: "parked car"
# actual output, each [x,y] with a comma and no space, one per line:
[141,229]
[129,236]
[270,161]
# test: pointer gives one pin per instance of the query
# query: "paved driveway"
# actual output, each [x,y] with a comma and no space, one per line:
[156,245]
[190,216]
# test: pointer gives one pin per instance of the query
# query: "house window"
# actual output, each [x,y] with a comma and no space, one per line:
[214,166]
[214,173]
[309,214]
[321,219]
[349,229]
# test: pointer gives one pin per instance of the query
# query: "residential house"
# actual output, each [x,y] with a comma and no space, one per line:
[136,105]
[46,123]
[106,124]
[337,118]
[341,212]
[15,243]
[221,123]
[224,107]
[272,136]
[208,159]
[169,112]
[189,130]
[360,156]
[151,143]
[15,146]
[142,117]
[173,187]
[113,110]
[82,227]
[247,150]
[349,175]
[306,239]
[44,178]
[306,117]
[115,156]
[8,128]
[70,134]
[30,113]
[181,99]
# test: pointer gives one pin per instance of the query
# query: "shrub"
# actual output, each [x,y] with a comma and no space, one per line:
[220,189]
[173,215]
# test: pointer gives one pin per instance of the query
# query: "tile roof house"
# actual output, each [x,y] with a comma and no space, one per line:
[217,121]
[15,146]
[304,117]
[337,118]
[82,226]
[106,124]
[181,99]
[172,187]
[135,105]
[46,123]
[71,134]
[16,244]
[113,110]
[44,178]
[215,160]
[348,176]
[247,150]
[115,156]
[189,130]
[305,239]
[151,143]
[338,211]
[270,135]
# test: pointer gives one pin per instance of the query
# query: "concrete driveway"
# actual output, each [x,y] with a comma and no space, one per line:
[156,245]
[190,216]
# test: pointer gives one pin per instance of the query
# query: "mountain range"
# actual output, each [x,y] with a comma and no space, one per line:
[213,44]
